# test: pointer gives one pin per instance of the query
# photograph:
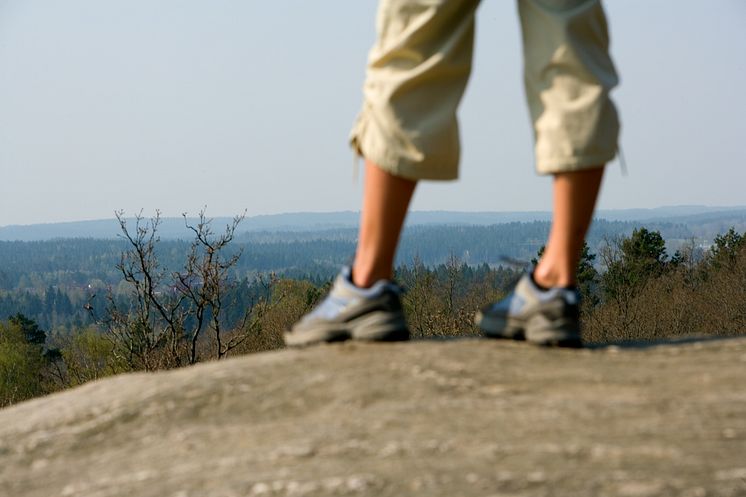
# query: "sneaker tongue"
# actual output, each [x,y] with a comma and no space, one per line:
[345,273]
[344,280]
[571,296]
[349,288]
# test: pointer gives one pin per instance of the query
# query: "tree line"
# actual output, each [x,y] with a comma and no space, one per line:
[52,281]
[163,314]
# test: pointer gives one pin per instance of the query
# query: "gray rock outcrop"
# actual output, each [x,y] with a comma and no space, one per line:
[451,418]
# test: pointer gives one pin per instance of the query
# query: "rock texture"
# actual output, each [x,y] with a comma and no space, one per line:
[451,418]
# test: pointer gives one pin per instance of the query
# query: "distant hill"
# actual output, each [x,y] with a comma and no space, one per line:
[173,228]
[670,213]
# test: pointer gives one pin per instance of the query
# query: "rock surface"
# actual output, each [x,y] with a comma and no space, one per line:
[432,418]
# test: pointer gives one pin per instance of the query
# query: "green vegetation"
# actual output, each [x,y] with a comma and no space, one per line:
[20,366]
[645,295]
[164,304]
[52,282]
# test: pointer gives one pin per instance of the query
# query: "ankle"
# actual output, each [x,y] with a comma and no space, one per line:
[363,276]
[546,277]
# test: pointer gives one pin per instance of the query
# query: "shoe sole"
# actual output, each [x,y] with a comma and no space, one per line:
[372,327]
[537,330]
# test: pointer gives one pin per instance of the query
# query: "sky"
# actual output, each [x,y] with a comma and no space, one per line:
[246,105]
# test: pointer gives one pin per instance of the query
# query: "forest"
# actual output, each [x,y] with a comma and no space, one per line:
[52,281]
[81,309]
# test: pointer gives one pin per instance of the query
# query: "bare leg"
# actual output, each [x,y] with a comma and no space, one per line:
[574,200]
[385,201]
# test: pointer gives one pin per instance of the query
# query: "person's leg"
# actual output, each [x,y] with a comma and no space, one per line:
[385,201]
[575,196]
[568,76]
[407,131]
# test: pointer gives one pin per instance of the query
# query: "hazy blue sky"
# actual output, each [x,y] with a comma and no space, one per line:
[246,104]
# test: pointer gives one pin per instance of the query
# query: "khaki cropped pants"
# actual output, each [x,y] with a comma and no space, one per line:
[420,64]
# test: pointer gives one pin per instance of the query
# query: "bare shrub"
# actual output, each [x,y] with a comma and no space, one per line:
[290,300]
[442,301]
[164,320]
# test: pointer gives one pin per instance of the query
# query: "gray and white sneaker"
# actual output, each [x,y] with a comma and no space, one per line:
[544,317]
[350,312]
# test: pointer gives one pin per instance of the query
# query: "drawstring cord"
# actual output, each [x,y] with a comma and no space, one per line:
[623,163]
[355,167]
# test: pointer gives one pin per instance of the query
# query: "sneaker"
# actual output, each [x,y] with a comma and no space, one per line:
[543,317]
[350,312]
